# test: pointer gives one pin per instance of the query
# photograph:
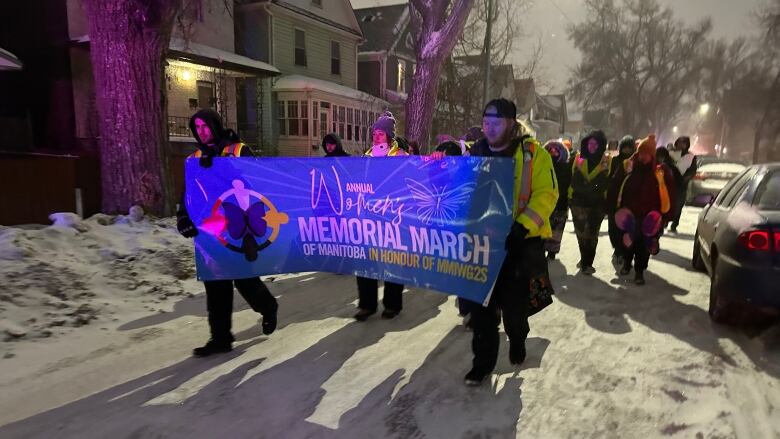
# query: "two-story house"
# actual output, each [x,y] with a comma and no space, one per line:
[386,59]
[314,43]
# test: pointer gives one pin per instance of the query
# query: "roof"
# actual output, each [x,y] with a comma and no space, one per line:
[319,18]
[211,56]
[9,61]
[305,83]
[382,26]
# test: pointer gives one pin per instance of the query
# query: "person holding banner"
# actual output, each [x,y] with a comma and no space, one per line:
[216,141]
[535,195]
[383,145]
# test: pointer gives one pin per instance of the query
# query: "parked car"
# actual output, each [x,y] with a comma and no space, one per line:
[737,242]
[711,176]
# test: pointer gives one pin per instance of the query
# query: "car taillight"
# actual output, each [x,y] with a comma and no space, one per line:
[777,242]
[756,240]
[700,176]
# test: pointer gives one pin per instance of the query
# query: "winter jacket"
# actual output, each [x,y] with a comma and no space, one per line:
[590,174]
[227,144]
[531,210]
[394,151]
[334,138]
[562,168]
[636,186]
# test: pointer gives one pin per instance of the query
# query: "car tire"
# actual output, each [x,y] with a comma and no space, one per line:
[719,309]
[696,261]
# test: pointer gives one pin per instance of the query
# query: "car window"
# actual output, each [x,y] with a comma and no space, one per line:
[768,194]
[727,189]
[739,187]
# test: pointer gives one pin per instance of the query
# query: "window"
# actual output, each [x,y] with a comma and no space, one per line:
[300,48]
[736,191]
[293,118]
[335,58]
[768,194]
[342,119]
[350,120]
[206,94]
[401,77]
[334,119]
[304,119]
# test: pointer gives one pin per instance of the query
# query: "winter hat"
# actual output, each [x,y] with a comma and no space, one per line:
[647,145]
[625,142]
[473,134]
[683,139]
[504,109]
[563,153]
[386,123]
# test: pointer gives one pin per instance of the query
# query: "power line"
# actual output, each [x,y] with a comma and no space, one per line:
[562,13]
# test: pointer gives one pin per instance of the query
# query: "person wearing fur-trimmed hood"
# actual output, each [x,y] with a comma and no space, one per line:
[560,157]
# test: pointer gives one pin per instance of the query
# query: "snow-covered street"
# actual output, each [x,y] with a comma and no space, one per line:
[607,360]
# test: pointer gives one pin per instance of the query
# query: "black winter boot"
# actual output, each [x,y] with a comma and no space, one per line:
[212,347]
[270,321]
[516,352]
[639,279]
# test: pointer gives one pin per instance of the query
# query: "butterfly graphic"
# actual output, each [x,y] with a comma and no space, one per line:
[438,204]
[246,225]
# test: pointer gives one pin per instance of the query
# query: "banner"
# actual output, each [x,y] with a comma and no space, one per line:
[436,224]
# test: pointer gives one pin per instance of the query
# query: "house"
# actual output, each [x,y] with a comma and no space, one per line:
[54,95]
[386,58]
[551,116]
[314,44]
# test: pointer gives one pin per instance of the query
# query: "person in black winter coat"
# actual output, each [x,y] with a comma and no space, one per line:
[626,148]
[332,146]
[687,167]
[216,141]
[562,166]
[587,196]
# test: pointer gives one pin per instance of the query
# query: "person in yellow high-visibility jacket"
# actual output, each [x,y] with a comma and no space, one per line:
[535,195]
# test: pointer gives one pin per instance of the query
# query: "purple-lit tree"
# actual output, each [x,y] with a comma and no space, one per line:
[437,26]
[128,43]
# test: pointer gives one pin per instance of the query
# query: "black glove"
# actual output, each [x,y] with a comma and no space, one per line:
[206,161]
[516,236]
[186,227]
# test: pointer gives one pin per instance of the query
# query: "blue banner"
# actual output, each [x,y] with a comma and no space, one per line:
[436,224]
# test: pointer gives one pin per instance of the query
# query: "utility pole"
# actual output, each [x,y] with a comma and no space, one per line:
[488,39]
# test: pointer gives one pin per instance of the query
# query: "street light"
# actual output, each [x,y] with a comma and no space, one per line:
[704,109]
[674,129]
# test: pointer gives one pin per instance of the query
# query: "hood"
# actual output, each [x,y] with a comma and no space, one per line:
[626,141]
[333,138]
[563,152]
[222,136]
[601,138]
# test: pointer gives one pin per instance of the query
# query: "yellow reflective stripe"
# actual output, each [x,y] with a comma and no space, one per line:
[525,184]
[233,150]
[530,213]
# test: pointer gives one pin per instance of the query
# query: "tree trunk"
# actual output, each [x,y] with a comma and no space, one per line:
[421,102]
[771,96]
[128,42]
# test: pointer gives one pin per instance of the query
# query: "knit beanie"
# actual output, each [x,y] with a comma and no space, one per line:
[386,123]
[647,145]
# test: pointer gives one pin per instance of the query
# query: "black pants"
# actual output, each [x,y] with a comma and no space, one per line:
[638,253]
[368,292]
[587,224]
[219,302]
[615,235]
[509,300]
[682,194]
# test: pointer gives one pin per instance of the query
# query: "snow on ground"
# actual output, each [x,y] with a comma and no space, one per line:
[608,359]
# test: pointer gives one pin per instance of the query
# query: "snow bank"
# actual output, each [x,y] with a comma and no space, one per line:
[78,271]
